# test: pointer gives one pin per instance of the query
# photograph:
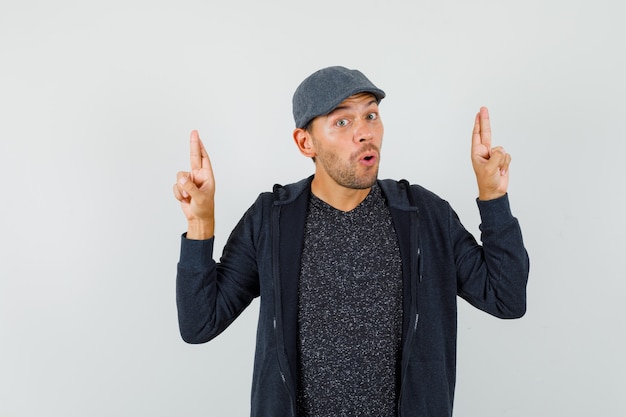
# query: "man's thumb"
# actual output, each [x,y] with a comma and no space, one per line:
[189,188]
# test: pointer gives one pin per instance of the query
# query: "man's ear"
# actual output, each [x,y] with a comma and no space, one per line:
[304,142]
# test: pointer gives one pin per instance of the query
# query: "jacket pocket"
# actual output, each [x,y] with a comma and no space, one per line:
[269,394]
[428,390]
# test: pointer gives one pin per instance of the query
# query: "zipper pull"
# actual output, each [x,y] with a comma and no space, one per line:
[419,264]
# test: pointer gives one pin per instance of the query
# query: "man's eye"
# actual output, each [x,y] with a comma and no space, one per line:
[372,116]
[342,122]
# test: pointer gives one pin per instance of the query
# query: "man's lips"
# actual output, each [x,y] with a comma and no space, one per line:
[368,158]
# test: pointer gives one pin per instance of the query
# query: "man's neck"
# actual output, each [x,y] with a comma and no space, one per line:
[337,196]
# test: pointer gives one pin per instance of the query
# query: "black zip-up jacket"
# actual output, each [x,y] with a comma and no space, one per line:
[440,260]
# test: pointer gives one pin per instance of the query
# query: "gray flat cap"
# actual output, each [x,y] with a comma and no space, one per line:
[323,90]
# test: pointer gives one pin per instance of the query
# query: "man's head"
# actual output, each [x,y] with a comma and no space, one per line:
[338,125]
[323,90]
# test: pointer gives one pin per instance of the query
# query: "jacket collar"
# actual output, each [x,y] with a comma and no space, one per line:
[396,193]
[286,194]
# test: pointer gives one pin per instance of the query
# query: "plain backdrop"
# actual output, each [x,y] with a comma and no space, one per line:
[97,100]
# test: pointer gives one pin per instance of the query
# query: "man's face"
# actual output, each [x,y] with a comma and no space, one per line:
[347,142]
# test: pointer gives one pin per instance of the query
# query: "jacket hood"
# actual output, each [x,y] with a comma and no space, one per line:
[285,194]
[396,196]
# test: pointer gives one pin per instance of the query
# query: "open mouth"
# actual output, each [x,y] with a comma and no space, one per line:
[368,160]
[368,155]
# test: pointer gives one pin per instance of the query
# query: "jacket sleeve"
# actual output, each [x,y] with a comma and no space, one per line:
[211,295]
[492,277]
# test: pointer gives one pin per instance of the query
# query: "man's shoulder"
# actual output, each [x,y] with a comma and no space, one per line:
[402,192]
[288,193]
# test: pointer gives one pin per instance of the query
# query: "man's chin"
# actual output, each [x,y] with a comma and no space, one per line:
[364,183]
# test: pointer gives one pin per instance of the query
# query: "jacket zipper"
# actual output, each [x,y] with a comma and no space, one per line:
[280,369]
[278,305]
[416,278]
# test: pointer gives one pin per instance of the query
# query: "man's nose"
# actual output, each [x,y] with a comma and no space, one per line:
[362,131]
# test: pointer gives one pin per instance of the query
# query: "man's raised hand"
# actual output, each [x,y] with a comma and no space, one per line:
[195,190]
[491,165]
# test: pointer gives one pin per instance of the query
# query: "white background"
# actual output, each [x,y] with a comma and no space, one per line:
[97,100]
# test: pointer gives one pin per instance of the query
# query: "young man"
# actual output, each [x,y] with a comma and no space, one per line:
[358,277]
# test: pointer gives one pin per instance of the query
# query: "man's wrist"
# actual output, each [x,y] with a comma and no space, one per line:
[489,196]
[200,229]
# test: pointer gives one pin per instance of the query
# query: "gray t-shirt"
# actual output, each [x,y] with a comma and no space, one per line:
[349,311]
